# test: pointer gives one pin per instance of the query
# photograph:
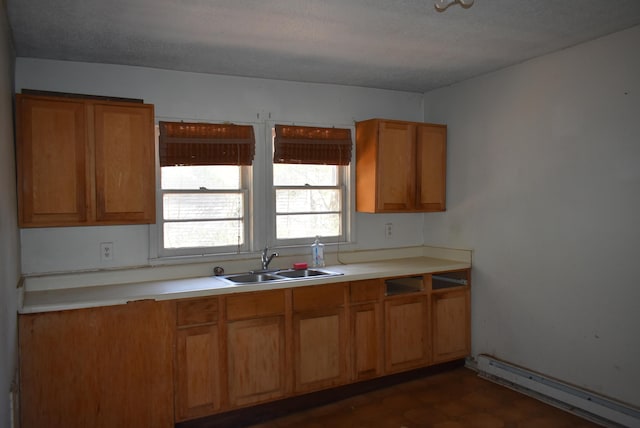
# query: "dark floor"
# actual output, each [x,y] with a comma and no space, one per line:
[457,398]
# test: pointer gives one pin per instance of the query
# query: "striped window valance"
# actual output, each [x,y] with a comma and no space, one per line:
[311,145]
[183,143]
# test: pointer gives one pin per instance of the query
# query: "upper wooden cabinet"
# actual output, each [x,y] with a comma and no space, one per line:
[84,162]
[400,166]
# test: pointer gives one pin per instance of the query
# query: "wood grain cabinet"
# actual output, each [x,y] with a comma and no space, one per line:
[256,347]
[198,366]
[84,162]
[407,335]
[400,166]
[406,314]
[156,363]
[366,330]
[100,367]
[319,337]
[451,316]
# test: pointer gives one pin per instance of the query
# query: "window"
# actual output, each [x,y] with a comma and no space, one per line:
[308,201]
[213,198]
[204,191]
[309,175]
[203,206]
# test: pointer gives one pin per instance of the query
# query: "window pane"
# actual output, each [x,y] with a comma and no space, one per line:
[202,206]
[301,226]
[307,200]
[203,234]
[199,176]
[300,175]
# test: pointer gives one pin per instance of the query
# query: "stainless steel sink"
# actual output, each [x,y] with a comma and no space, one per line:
[244,278]
[302,273]
[280,275]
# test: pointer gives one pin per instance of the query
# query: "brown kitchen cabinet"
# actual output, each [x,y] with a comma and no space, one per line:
[366,330]
[99,367]
[198,366]
[257,356]
[451,316]
[155,363]
[84,162]
[407,333]
[400,166]
[319,337]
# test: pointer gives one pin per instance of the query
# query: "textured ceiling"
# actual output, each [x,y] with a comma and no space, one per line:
[392,44]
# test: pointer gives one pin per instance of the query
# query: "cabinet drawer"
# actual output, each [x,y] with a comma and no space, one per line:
[254,305]
[445,280]
[368,290]
[396,286]
[319,296]
[201,311]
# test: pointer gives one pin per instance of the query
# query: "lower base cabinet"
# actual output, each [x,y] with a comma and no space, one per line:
[151,364]
[407,337]
[320,351]
[366,333]
[100,367]
[256,347]
[198,386]
[198,389]
[450,312]
[319,337]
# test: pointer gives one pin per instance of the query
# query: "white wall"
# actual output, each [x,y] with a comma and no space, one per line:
[9,243]
[191,96]
[544,186]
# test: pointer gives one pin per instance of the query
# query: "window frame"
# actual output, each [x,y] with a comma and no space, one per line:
[259,206]
[246,189]
[345,182]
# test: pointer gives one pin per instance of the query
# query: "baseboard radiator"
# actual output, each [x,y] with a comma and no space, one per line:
[597,408]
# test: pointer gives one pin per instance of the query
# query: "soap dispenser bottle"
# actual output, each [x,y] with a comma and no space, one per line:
[317,253]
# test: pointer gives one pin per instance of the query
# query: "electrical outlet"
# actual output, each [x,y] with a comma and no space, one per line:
[388,230]
[106,251]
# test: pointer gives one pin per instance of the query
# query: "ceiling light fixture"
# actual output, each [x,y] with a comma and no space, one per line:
[442,5]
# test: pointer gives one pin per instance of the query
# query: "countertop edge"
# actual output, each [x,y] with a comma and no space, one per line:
[173,289]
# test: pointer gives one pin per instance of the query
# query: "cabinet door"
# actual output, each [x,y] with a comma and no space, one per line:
[124,163]
[396,167]
[366,340]
[197,371]
[51,162]
[431,155]
[100,367]
[451,325]
[320,349]
[256,360]
[406,333]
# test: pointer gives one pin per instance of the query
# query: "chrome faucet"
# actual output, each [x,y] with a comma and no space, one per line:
[266,259]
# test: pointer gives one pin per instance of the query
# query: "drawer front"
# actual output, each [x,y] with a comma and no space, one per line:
[201,311]
[405,285]
[447,280]
[368,290]
[255,305]
[318,296]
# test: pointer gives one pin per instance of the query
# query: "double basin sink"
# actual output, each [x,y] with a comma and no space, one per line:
[277,275]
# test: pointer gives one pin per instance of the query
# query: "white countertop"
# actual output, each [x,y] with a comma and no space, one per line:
[115,294]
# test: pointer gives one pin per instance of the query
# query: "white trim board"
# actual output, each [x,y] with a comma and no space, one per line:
[586,404]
